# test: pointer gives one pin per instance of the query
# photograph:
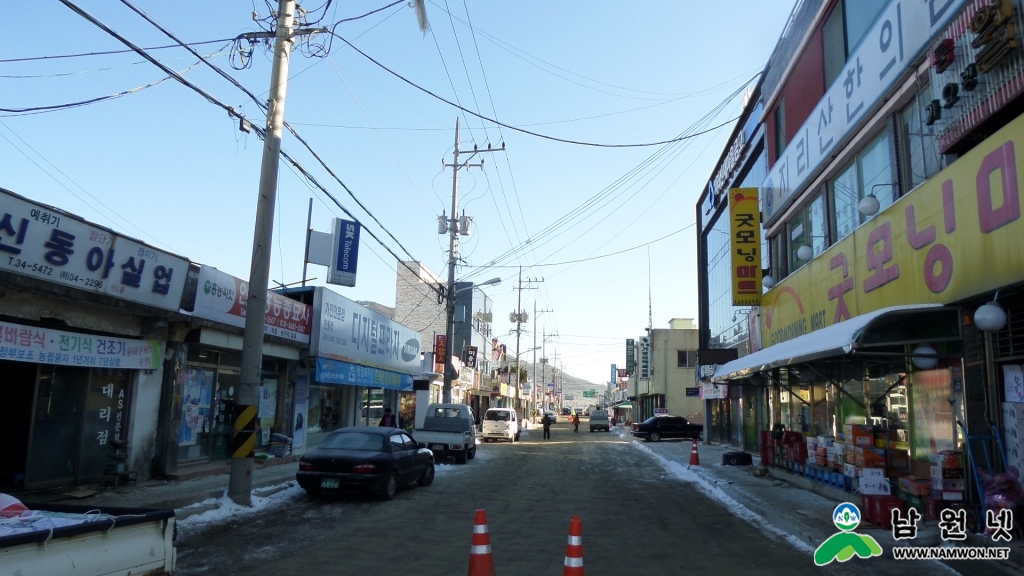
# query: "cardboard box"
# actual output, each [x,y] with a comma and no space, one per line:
[945,484]
[948,459]
[939,473]
[948,495]
[851,470]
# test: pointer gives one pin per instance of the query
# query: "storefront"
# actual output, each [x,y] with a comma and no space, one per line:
[207,382]
[362,363]
[83,320]
[69,398]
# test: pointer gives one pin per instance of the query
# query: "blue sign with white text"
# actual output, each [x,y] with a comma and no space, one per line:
[345,255]
[345,373]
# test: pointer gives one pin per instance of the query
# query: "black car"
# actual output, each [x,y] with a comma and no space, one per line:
[657,427]
[365,459]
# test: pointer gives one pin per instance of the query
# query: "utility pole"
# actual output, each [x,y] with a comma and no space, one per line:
[520,319]
[247,399]
[535,382]
[455,227]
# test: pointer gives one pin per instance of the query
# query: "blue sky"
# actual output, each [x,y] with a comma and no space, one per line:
[164,165]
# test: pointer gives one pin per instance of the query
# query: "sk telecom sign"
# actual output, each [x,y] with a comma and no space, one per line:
[745,245]
[344,253]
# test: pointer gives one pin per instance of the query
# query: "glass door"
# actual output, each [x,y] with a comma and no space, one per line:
[59,406]
[228,384]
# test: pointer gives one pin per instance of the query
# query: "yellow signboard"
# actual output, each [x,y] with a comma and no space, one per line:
[745,243]
[957,235]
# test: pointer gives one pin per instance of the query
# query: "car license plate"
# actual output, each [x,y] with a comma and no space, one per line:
[328,482]
[438,446]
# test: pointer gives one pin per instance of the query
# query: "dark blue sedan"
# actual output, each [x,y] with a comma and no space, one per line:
[365,459]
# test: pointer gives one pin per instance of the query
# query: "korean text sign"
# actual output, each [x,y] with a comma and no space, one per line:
[54,246]
[745,244]
[223,298]
[353,333]
[644,346]
[955,236]
[337,372]
[46,346]
[900,33]
[630,356]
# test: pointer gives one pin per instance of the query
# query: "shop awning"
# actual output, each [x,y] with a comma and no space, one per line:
[885,327]
[623,406]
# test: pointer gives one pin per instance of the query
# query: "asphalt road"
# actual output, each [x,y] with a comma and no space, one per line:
[636,521]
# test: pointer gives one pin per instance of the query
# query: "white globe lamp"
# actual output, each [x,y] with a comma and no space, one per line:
[990,318]
[805,253]
[869,205]
[925,362]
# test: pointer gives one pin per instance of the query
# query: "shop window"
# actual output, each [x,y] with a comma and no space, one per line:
[869,173]
[682,359]
[859,16]
[833,36]
[807,233]
[780,127]
[918,147]
[778,260]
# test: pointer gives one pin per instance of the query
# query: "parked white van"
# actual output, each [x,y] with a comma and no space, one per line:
[501,424]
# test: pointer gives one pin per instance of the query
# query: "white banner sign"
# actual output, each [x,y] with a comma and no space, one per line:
[898,36]
[350,332]
[714,391]
[222,297]
[54,246]
[46,346]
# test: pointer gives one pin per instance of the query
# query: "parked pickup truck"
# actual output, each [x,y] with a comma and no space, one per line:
[111,541]
[448,430]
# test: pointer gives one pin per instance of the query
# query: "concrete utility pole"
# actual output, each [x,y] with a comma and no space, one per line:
[536,384]
[453,231]
[247,399]
[519,317]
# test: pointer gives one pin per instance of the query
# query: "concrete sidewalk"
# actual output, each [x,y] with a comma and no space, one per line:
[175,494]
[785,505]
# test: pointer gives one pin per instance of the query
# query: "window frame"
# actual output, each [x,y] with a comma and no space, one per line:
[780,127]
[685,354]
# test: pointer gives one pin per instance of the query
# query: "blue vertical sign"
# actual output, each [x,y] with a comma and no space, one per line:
[345,253]
[615,375]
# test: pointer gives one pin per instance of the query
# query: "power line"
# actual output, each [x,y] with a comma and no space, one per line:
[517,129]
[231,111]
[35,58]
[669,235]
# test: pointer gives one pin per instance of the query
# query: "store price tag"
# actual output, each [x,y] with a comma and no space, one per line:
[873,482]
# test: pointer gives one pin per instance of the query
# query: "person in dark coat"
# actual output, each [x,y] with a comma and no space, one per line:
[389,419]
[546,421]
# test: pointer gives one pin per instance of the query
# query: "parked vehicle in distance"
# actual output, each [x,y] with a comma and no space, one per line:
[365,459]
[552,415]
[565,411]
[599,420]
[501,424]
[657,427]
[448,430]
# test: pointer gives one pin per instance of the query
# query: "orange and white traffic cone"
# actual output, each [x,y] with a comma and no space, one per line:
[481,562]
[574,549]
[694,457]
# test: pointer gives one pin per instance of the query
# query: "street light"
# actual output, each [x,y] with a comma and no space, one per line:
[450,329]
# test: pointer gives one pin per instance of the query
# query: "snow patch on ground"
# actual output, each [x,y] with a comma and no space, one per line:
[684,474]
[227,509]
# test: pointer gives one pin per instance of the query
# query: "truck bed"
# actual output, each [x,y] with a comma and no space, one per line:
[132,541]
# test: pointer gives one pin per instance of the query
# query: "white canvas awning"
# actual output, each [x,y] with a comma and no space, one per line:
[835,340]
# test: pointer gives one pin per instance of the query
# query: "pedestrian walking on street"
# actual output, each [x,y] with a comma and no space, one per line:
[546,422]
[389,419]
[576,422]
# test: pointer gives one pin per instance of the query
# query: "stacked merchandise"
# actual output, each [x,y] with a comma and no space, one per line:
[280,445]
[948,483]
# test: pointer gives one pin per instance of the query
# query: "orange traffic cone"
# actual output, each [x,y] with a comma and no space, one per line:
[574,549]
[481,562]
[694,457]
